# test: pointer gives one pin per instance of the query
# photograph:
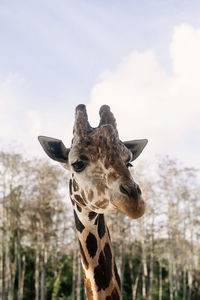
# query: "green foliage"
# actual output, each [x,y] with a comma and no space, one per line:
[29,288]
[66,277]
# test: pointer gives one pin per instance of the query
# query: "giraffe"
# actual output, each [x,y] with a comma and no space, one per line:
[99,182]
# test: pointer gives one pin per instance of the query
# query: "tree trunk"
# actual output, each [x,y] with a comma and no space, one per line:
[3,283]
[43,274]
[3,286]
[13,268]
[74,273]
[175,278]
[120,261]
[122,272]
[21,276]
[170,280]
[134,288]
[151,274]
[144,268]
[57,282]
[37,272]
[19,264]
[1,269]
[78,288]
[134,285]
[8,272]
[56,287]
[160,281]
[184,283]
[190,280]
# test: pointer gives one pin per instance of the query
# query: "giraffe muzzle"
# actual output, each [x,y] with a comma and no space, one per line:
[133,192]
[131,202]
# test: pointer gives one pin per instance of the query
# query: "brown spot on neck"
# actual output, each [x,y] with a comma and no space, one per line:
[90,195]
[103,271]
[79,208]
[88,290]
[79,200]
[75,185]
[84,259]
[92,215]
[100,190]
[102,203]
[70,187]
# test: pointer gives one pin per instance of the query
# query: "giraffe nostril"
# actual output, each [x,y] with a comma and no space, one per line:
[133,191]
[124,190]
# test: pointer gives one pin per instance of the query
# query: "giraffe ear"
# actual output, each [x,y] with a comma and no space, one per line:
[136,147]
[54,148]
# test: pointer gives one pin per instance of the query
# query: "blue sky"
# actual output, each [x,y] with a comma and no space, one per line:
[57,54]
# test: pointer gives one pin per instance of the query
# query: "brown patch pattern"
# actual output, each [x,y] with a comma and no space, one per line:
[79,225]
[100,189]
[79,200]
[88,290]
[75,185]
[79,208]
[90,195]
[70,187]
[91,244]
[84,259]
[114,295]
[92,215]
[102,203]
[103,272]
[101,226]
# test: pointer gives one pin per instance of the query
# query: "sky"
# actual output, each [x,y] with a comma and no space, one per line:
[142,58]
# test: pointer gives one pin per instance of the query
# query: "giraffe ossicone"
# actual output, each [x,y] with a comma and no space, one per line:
[100,182]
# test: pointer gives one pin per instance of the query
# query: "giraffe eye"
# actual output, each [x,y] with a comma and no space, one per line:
[129,165]
[79,166]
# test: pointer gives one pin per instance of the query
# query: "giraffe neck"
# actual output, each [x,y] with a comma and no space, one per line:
[101,277]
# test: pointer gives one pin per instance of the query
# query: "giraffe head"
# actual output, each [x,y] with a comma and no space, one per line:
[99,163]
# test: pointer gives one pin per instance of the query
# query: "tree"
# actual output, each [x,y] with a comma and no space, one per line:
[157,256]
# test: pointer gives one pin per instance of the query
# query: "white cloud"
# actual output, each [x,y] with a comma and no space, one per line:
[15,122]
[35,122]
[20,124]
[13,89]
[149,103]
[184,84]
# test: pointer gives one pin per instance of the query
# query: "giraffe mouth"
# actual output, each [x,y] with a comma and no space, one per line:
[130,206]
[129,199]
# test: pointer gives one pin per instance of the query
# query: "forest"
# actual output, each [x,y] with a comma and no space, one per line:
[158,255]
